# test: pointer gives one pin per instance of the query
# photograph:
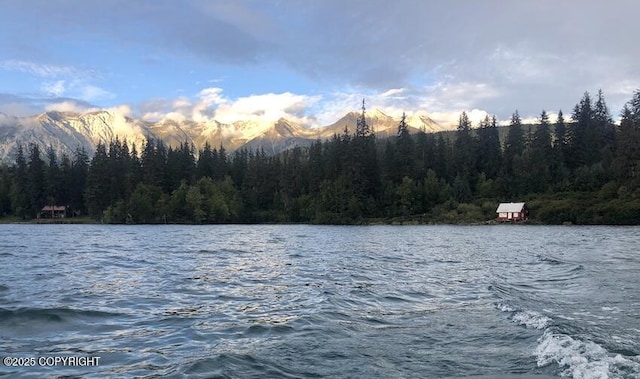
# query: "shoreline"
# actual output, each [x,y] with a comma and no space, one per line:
[408,221]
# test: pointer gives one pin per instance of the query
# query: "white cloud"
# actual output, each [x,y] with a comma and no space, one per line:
[59,81]
[269,107]
[94,93]
[392,92]
[55,89]
[209,98]
[123,109]
[18,109]
[69,106]
[43,70]
[212,104]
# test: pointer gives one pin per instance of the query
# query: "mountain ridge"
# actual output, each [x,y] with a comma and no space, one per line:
[68,131]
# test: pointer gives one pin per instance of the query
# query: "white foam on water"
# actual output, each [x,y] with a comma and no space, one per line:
[531,319]
[505,307]
[583,359]
[611,309]
[579,359]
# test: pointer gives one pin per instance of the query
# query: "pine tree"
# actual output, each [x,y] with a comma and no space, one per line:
[5,190]
[362,127]
[582,134]
[560,140]
[118,167]
[204,166]
[539,173]
[605,133]
[154,164]
[64,182]
[53,179]
[78,181]
[424,153]
[489,149]
[514,145]
[442,158]
[627,160]
[464,149]
[36,180]
[404,152]
[20,200]
[97,195]
[363,172]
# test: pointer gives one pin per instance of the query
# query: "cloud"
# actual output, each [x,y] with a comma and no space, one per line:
[211,104]
[17,109]
[24,106]
[94,93]
[59,81]
[123,109]
[69,106]
[43,70]
[267,107]
[445,56]
[55,89]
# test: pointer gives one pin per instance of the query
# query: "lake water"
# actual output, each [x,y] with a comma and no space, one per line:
[301,301]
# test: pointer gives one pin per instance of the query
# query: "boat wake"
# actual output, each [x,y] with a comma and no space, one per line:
[577,358]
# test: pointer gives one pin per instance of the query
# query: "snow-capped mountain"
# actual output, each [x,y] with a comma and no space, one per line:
[382,124]
[66,132]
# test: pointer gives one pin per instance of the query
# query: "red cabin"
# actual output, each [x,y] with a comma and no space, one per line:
[53,211]
[512,212]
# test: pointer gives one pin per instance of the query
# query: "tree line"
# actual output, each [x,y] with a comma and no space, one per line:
[582,169]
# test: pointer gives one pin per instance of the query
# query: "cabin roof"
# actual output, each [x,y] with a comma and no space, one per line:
[49,208]
[510,207]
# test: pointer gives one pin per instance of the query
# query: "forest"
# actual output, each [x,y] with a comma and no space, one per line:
[582,169]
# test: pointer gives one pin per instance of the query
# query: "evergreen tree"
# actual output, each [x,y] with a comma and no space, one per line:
[560,140]
[515,143]
[363,170]
[97,194]
[465,152]
[204,166]
[363,129]
[489,149]
[154,164]
[20,197]
[560,153]
[53,179]
[180,165]
[605,132]
[36,180]
[220,164]
[5,190]
[64,182]
[78,181]
[390,163]
[442,158]
[628,151]
[134,169]
[541,154]
[404,152]
[583,134]
[315,166]
[424,153]
[118,166]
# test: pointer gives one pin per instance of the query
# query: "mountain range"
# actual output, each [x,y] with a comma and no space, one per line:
[66,131]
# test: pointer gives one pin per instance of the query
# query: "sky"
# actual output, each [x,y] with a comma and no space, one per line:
[312,61]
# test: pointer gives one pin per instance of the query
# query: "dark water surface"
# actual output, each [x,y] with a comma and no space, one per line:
[321,301]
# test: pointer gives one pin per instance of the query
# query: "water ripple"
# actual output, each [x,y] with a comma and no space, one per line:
[321,301]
